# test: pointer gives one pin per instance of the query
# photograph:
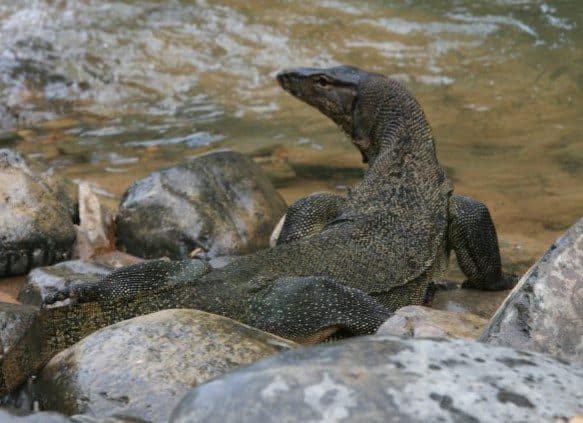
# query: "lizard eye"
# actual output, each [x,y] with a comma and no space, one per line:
[322,82]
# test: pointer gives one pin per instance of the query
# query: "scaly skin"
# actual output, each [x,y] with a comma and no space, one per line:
[340,264]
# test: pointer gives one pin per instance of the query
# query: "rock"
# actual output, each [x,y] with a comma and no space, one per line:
[15,320]
[418,321]
[47,280]
[6,416]
[95,232]
[218,202]
[63,189]
[36,228]
[142,367]
[116,259]
[44,417]
[544,312]
[390,379]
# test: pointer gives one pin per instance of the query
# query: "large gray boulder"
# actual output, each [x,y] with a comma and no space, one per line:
[544,312]
[142,367]
[45,281]
[390,379]
[218,202]
[36,226]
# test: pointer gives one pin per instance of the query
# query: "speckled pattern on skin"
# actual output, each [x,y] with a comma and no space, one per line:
[389,379]
[391,237]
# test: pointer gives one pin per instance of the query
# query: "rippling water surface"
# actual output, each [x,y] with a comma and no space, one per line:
[110,90]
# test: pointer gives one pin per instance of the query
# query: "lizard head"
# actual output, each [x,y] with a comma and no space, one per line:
[333,91]
[351,97]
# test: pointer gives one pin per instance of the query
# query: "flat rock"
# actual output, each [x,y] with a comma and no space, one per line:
[36,226]
[390,379]
[219,203]
[142,367]
[418,321]
[47,280]
[544,312]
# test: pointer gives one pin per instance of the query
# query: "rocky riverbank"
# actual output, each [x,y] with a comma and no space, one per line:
[187,365]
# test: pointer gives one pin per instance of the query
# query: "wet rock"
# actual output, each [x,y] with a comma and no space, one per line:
[48,280]
[43,417]
[15,319]
[390,379]
[95,232]
[7,416]
[142,367]
[36,228]
[116,259]
[64,190]
[418,321]
[544,312]
[218,202]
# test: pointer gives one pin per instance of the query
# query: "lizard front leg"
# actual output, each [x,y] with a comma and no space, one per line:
[473,238]
[307,216]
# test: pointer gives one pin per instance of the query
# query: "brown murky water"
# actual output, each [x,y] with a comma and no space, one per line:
[109,91]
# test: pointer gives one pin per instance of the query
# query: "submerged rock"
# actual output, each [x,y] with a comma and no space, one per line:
[142,367]
[36,226]
[544,312]
[45,281]
[219,203]
[418,321]
[389,379]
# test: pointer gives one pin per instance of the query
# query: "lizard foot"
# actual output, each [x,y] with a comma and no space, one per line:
[507,281]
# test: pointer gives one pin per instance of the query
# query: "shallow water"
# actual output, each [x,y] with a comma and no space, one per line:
[110,90]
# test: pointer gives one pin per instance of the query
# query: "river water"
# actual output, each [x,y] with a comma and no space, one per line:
[109,90]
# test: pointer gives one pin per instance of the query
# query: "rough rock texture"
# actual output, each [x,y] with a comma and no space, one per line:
[51,417]
[36,227]
[219,202]
[15,320]
[418,321]
[388,379]
[143,366]
[544,312]
[44,417]
[95,232]
[47,280]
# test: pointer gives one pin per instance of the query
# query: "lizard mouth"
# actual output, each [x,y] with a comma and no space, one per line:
[285,79]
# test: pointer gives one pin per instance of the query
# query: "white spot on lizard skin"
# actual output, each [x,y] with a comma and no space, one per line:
[330,399]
